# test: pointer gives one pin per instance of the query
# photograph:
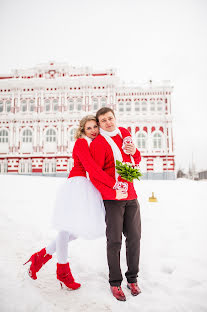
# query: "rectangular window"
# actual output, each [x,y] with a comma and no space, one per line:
[49,166]
[53,167]
[3,167]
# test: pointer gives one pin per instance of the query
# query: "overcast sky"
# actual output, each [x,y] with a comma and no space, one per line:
[143,39]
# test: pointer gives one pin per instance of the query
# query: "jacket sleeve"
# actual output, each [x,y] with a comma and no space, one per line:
[90,165]
[99,153]
[137,157]
[107,192]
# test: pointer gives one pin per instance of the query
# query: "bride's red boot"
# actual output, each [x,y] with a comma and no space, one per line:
[64,275]
[38,259]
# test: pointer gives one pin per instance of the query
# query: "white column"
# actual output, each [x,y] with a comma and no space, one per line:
[18,104]
[89,102]
[149,140]
[11,135]
[36,100]
[59,143]
[65,100]
[133,131]
[17,135]
[84,96]
[41,135]
[41,101]
[12,103]
[35,134]
[170,137]
[64,135]
[14,137]
[165,137]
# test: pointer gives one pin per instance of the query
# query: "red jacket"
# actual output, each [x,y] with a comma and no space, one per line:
[84,162]
[102,153]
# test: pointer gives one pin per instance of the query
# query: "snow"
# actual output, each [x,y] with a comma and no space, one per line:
[173,264]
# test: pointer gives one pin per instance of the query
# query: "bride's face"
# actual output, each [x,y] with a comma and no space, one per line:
[91,129]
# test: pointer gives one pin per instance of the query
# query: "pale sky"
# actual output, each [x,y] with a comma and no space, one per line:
[143,39]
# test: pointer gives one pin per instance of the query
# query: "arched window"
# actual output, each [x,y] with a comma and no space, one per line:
[79,104]
[47,105]
[94,104]
[144,106]
[23,105]
[121,106]
[159,106]
[152,106]
[27,136]
[157,140]
[4,136]
[50,135]
[103,102]
[71,104]
[141,140]
[8,106]
[72,134]
[128,106]
[31,105]
[1,106]
[55,105]
[137,106]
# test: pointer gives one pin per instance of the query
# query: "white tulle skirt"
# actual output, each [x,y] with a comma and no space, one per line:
[79,209]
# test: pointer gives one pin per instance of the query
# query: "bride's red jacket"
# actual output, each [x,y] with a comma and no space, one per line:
[102,153]
[83,162]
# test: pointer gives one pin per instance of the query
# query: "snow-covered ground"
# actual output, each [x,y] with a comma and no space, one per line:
[173,268]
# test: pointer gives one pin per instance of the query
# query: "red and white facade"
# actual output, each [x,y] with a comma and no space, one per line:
[40,109]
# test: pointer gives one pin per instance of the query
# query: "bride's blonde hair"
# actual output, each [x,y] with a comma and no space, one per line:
[80,131]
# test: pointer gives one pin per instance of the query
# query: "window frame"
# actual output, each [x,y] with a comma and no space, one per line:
[140,138]
[4,136]
[27,138]
[157,140]
[50,136]
[23,105]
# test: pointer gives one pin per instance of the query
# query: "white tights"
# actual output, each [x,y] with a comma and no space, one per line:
[60,245]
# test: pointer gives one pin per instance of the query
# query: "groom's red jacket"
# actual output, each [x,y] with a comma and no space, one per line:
[102,153]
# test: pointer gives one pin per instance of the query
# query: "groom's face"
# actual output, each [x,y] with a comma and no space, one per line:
[107,122]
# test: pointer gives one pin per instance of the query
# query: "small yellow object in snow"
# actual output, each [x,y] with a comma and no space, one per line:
[153,198]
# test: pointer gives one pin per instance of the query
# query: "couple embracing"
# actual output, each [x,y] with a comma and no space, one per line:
[105,203]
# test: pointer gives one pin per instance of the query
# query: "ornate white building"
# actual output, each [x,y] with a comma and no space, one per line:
[40,109]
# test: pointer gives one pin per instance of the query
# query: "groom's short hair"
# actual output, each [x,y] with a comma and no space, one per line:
[103,111]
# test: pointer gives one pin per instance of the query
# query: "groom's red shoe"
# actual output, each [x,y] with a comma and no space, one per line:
[135,290]
[118,293]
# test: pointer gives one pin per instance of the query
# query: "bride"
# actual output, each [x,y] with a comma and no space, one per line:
[79,210]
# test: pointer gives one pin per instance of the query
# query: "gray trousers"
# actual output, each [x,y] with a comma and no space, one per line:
[123,216]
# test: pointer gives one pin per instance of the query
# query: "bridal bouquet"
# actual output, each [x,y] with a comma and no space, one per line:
[128,171]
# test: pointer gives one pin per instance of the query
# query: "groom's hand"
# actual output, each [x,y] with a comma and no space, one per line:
[130,148]
[121,194]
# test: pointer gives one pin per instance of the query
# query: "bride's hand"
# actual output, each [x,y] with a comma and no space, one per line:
[121,194]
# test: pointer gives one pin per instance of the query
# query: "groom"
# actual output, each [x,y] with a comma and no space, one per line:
[122,216]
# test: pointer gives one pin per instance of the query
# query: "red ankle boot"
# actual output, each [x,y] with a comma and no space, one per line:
[64,275]
[38,259]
